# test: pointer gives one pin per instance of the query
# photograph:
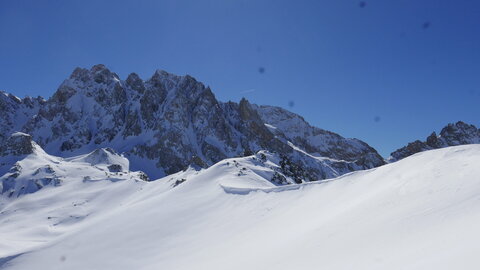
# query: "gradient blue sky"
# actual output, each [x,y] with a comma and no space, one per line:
[341,66]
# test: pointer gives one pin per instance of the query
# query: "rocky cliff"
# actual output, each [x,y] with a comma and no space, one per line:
[453,134]
[166,123]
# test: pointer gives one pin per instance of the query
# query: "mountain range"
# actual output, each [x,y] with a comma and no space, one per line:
[159,174]
[167,123]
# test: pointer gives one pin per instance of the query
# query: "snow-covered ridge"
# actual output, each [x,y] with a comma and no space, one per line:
[418,213]
[104,157]
[316,141]
[167,123]
[26,168]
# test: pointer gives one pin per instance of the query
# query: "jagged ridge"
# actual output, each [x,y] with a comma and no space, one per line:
[169,122]
[459,133]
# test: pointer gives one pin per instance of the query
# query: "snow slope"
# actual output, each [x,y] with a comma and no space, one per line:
[422,212]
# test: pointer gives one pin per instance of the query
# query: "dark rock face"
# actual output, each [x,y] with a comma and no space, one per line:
[14,111]
[169,122]
[115,168]
[18,144]
[453,134]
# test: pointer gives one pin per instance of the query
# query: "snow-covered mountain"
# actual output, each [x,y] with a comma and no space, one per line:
[237,186]
[459,133]
[167,123]
[421,212]
[26,168]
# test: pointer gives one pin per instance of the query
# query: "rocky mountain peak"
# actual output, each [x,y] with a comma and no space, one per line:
[247,113]
[432,140]
[135,82]
[102,74]
[453,134]
[161,78]
[80,74]
[460,133]
[99,68]
[98,73]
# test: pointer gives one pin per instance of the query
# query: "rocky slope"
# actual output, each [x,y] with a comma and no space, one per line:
[169,122]
[459,133]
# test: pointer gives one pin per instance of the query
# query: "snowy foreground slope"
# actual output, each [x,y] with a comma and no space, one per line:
[422,212]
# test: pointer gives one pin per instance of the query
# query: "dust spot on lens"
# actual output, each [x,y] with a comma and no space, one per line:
[377,119]
[426,25]
[63,258]
[291,104]
[362,4]
[261,70]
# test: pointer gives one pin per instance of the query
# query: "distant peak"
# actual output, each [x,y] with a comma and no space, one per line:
[459,126]
[453,134]
[99,67]
[99,73]
[133,77]
[160,75]
[135,82]
[161,72]
[244,102]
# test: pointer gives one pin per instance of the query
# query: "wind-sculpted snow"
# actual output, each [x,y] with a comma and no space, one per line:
[167,123]
[422,212]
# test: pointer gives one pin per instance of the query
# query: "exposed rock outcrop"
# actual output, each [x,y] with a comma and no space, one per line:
[17,144]
[453,134]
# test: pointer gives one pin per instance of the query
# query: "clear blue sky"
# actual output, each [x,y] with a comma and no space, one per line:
[387,73]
